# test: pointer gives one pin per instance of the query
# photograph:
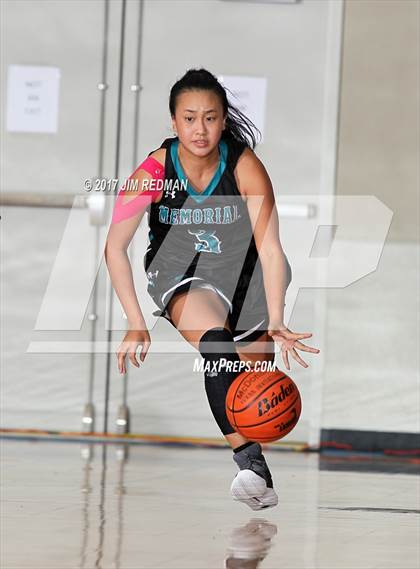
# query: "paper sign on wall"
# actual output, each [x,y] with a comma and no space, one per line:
[249,95]
[32,98]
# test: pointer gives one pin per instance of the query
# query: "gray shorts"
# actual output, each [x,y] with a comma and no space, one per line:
[247,307]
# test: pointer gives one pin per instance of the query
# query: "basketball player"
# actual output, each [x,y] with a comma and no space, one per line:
[215,265]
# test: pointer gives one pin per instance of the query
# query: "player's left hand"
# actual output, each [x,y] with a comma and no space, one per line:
[288,341]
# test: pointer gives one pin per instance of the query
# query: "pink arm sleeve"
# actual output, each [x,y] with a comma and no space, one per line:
[140,202]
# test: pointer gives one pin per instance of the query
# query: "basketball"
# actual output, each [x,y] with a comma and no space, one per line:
[263,406]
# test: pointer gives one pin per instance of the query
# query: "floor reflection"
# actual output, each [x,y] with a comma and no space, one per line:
[102,505]
[88,454]
[344,461]
[250,544]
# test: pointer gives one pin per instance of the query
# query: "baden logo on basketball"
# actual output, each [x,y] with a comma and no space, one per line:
[263,406]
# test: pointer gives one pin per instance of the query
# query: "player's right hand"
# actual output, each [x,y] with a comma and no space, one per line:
[132,340]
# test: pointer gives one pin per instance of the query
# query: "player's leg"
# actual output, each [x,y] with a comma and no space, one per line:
[247,486]
[201,317]
[261,349]
[195,311]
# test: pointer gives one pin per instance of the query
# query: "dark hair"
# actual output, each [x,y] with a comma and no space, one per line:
[238,125]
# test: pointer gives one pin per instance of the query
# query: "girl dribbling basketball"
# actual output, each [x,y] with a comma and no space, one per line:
[215,265]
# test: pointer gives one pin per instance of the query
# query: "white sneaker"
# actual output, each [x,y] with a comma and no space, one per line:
[252,490]
[253,484]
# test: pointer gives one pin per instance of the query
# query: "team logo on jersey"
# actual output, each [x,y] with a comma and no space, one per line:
[207,241]
[151,276]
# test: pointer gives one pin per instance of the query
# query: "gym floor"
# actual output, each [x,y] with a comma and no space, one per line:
[142,506]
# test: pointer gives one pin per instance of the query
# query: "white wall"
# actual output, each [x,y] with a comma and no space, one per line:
[371,377]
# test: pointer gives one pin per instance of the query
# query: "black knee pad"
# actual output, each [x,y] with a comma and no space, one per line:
[221,366]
